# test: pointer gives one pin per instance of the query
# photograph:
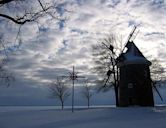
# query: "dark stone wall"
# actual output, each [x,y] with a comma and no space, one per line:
[135,85]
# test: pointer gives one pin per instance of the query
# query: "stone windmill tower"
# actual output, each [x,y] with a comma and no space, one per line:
[135,86]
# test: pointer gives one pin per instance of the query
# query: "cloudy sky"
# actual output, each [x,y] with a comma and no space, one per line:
[51,49]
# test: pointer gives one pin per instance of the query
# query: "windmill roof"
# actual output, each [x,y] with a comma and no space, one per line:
[132,56]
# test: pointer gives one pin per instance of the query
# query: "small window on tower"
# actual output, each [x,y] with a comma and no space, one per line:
[130,85]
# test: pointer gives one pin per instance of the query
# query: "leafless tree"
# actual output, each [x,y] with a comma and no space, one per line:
[104,55]
[5,76]
[23,11]
[60,91]
[16,13]
[87,92]
[157,72]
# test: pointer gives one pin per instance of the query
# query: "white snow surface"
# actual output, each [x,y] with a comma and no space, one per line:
[95,117]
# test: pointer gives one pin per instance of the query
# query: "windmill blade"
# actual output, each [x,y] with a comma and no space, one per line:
[106,81]
[134,35]
[131,34]
[157,92]
[109,72]
[129,37]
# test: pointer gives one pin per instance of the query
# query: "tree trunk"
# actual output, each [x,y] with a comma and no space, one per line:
[116,96]
[62,104]
[88,102]
[117,87]
[115,76]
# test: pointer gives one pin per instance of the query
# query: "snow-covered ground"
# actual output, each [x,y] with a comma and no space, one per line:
[96,117]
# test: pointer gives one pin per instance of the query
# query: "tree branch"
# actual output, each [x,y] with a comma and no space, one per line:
[5,1]
[29,17]
[41,5]
[15,20]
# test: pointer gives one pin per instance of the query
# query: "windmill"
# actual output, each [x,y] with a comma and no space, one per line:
[131,38]
[127,62]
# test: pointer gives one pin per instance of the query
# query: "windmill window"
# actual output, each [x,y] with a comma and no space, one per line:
[130,85]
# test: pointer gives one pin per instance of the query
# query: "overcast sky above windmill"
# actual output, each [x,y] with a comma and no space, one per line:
[55,47]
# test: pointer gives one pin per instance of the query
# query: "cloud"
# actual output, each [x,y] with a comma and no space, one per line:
[54,47]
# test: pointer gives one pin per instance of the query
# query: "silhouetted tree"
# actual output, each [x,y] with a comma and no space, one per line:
[16,13]
[24,11]
[157,72]
[5,76]
[60,91]
[87,92]
[104,55]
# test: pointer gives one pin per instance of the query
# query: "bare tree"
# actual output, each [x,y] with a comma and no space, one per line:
[24,12]
[104,55]
[87,93]
[60,91]
[157,72]
[16,13]
[5,76]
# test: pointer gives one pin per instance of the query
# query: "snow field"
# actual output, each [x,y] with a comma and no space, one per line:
[111,117]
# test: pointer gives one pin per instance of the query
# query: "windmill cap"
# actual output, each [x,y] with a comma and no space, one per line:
[132,56]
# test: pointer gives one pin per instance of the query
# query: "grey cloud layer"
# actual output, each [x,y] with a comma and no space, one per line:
[50,51]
